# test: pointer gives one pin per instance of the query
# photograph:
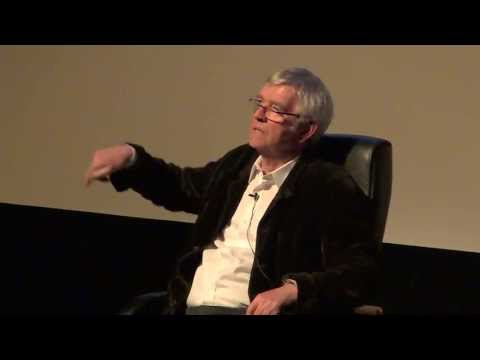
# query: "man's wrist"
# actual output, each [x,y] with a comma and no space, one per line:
[289,281]
[291,286]
[133,156]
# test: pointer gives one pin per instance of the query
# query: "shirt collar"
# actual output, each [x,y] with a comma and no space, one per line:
[278,175]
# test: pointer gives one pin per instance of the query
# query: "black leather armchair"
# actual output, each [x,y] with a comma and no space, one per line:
[368,160]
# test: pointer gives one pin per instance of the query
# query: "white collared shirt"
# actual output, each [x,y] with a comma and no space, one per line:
[223,277]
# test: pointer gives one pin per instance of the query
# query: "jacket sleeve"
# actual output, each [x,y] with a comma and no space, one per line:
[349,255]
[166,184]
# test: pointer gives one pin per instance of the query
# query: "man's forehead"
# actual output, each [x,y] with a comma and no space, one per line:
[280,94]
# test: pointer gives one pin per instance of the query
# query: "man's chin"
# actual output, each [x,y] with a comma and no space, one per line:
[261,149]
[255,144]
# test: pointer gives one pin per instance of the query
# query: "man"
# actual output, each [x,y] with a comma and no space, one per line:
[279,230]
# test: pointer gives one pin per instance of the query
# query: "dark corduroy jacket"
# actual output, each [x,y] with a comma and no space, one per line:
[317,230]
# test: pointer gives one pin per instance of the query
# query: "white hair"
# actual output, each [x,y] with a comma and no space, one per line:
[314,100]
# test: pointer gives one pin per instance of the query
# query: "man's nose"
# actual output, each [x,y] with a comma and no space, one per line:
[260,114]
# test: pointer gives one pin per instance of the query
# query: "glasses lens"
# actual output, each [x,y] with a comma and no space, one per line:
[272,115]
[269,113]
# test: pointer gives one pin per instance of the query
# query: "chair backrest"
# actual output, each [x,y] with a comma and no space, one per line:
[369,161]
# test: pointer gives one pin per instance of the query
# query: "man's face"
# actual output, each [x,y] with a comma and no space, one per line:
[271,138]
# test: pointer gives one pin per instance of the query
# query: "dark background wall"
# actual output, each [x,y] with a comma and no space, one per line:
[65,262]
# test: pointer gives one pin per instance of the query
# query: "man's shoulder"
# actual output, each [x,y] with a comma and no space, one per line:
[327,169]
[330,174]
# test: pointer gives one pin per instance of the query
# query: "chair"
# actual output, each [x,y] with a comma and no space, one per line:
[369,161]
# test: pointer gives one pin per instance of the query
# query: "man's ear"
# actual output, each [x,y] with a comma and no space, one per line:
[308,131]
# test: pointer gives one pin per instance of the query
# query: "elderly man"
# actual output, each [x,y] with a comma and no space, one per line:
[278,229]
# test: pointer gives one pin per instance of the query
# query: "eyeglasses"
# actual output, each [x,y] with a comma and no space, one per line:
[271,113]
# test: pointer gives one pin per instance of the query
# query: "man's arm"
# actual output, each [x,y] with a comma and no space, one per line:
[349,257]
[165,184]
[130,166]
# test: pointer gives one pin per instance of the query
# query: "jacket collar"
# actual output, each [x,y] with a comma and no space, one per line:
[287,190]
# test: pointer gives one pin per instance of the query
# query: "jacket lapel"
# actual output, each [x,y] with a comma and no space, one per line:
[234,193]
[286,191]
[288,187]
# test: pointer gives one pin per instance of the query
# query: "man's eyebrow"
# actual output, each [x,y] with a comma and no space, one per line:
[281,107]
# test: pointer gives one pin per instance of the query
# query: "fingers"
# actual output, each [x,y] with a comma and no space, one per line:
[252,307]
[267,308]
[101,174]
[106,161]
[262,307]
